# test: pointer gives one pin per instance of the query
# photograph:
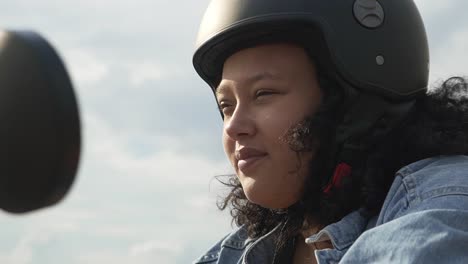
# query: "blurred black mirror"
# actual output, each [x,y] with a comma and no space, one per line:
[39,124]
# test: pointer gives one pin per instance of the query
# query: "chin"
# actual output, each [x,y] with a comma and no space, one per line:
[264,197]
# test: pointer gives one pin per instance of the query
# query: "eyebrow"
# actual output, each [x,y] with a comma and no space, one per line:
[251,79]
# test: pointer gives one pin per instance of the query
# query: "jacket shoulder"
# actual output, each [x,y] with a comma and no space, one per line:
[435,183]
[227,250]
[423,219]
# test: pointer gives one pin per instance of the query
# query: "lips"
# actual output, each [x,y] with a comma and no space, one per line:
[247,157]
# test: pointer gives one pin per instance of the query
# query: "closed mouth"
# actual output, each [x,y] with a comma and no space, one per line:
[247,157]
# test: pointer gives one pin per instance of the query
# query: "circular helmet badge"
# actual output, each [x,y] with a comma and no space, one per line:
[369,13]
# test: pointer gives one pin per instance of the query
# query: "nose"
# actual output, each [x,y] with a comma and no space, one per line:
[240,124]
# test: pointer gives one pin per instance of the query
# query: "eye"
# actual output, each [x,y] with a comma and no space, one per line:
[262,92]
[225,107]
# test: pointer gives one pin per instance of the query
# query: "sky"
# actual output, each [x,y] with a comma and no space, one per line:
[145,190]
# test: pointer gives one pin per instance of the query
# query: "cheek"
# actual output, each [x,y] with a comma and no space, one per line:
[288,165]
[275,128]
[289,160]
[294,172]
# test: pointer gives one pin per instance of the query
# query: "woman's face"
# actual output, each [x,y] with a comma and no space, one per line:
[265,90]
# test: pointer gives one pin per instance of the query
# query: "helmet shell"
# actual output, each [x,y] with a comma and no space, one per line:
[378,46]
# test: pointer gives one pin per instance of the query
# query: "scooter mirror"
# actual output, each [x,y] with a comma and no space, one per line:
[39,124]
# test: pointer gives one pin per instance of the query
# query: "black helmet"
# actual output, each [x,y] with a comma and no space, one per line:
[377,48]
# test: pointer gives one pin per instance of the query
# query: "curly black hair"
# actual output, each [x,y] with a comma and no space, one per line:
[436,125]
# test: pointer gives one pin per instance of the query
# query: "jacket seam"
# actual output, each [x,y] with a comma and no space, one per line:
[445,191]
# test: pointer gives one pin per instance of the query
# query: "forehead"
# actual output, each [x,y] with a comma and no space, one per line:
[265,62]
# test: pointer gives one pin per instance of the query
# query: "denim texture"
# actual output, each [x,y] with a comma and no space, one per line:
[424,219]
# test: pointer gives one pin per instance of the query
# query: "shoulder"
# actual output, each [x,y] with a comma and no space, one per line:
[441,171]
[426,236]
[228,249]
[435,183]
[423,219]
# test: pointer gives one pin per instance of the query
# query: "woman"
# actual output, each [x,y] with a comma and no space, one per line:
[340,153]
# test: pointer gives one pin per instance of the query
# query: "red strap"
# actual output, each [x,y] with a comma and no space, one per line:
[342,170]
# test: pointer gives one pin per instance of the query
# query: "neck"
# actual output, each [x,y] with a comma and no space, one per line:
[305,253]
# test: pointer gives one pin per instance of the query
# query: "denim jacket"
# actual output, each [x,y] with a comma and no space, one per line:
[424,219]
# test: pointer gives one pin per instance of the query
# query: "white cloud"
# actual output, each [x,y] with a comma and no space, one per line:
[23,252]
[145,71]
[162,167]
[449,56]
[117,257]
[113,214]
[200,202]
[164,247]
[431,8]
[85,67]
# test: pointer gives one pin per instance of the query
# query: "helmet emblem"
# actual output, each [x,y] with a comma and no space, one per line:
[369,13]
